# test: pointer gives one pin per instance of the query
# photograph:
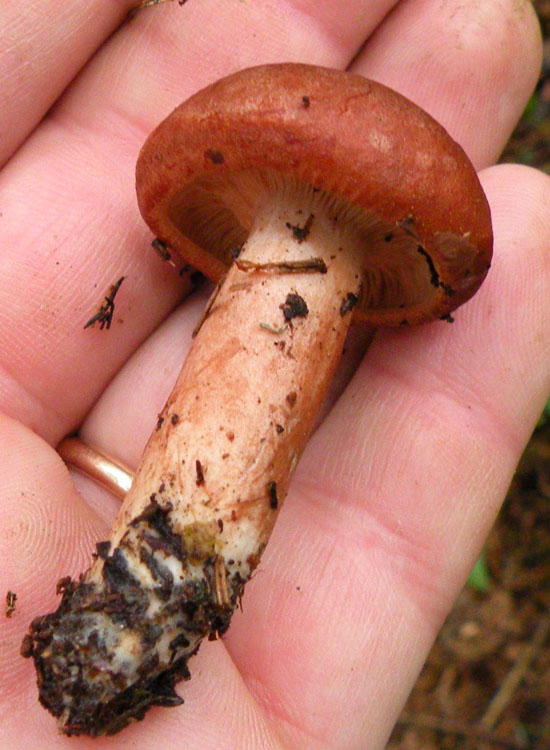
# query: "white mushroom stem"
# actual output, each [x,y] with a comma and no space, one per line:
[215,470]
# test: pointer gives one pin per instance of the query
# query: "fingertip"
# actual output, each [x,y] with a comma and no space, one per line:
[522,192]
[519,197]
[471,65]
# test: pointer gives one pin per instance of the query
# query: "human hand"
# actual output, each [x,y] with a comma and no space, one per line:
[399,485]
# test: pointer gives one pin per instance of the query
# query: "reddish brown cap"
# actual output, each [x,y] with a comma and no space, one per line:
[391,169]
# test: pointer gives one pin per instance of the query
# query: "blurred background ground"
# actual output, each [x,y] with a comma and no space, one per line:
[486,683]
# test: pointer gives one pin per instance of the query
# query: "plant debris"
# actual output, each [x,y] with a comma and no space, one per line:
[11,599]
[272,329]
[200,473]
[150,3]
[206,312]
[272,493]
[310,265]
[294,307]
[301,233]
[348,303]
[161,248]
[104,316]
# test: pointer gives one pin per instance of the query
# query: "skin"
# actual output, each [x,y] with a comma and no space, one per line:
[401,482]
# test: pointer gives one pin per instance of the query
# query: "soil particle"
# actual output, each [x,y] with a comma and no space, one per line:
[200,473]
[348,303]
[11,599]
[301,233]
[216,157]
[294,307]
[102,549]
[272,493]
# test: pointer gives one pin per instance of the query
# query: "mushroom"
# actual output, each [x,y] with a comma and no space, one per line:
[311,196]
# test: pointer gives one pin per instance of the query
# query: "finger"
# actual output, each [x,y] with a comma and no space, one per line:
[397,492]
[471,65]
[47,532]
[230,36]
[43,46]
[70,222]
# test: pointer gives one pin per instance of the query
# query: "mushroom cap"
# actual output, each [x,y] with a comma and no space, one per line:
[372,156]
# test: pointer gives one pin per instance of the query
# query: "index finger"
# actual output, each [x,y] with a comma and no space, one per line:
[39,36]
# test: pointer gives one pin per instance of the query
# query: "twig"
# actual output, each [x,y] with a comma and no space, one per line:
[220,582]
[450,726]
[309,265]
[205,313]
[104,316]
[148,3]
[11,598]
[506,691]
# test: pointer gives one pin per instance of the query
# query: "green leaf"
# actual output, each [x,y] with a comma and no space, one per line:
[545,416]
[480,578]
[530,107]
